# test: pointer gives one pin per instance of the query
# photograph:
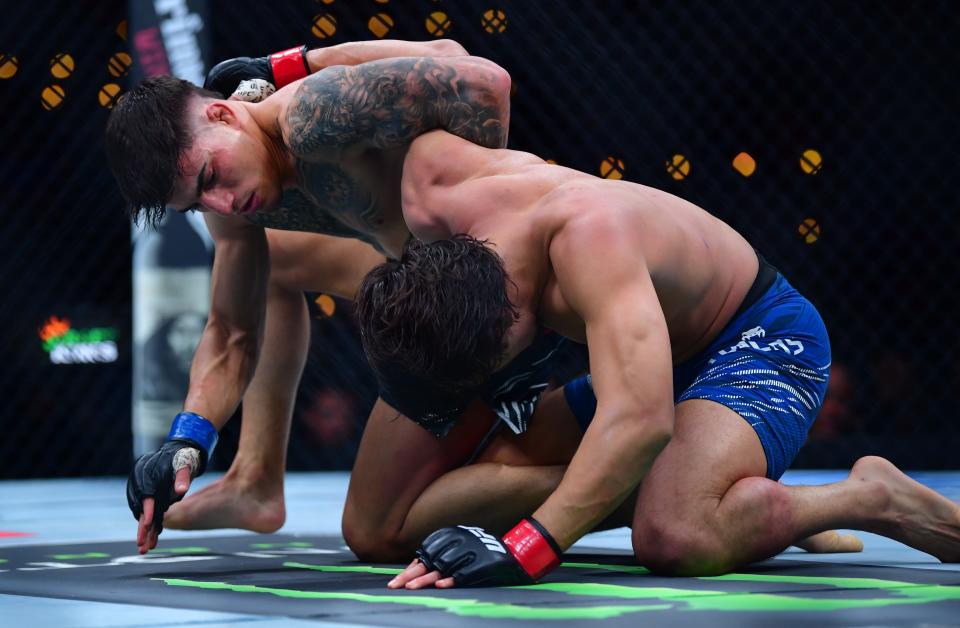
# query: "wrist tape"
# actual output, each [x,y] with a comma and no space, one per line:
[193,427]
[533,547]
[289,65]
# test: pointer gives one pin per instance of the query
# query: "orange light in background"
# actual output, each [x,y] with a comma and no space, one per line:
[324,26]
[744,164]
[678,167]
[52,97]
[809,230]
[8,65]
[61,65]
[108,95]
[380,24]
[494,21]
[438,24]
[119,64]
[612,168]
[811,162]
[54,328]
[326,304]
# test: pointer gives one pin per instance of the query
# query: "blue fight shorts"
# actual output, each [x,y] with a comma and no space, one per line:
[770,365]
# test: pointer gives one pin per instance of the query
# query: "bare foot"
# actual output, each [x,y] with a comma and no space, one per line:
[830,542]
[912,513]
[228,504]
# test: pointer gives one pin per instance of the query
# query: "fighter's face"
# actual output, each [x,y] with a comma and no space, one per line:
[228,169]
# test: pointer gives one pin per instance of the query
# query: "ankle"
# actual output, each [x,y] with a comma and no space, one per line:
[256,478]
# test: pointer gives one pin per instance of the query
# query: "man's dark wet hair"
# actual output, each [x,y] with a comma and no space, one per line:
[147,132]
[433,325]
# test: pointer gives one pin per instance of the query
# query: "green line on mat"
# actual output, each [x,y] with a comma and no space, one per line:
[656,598]
[387,571]
[79,556]
[634,569]
[457,606]
[186,550]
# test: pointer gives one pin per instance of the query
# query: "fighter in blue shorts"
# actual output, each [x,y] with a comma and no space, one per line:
[706,367]
[770,365]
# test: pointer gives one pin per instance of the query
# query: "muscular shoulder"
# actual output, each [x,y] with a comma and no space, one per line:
[582,226]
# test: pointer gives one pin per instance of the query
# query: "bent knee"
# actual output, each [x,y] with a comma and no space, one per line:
[671,549]
[376,544]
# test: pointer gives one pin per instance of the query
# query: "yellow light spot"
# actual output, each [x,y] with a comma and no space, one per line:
[611,168]
[381,1]
[380,24]
[551,161]
[678,167]
[744,164]
[122,30]
[119,64]
[52,97]
[494,21]
[108,95]
[8,65]
[324,26]
[438,24]
[61,65]
[811,161]
[326,304]
[325,1]
[809,230]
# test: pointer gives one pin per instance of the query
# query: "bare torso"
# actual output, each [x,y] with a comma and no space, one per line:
[700,267]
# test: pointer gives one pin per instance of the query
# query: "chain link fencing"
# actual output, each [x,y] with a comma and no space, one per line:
[822,131]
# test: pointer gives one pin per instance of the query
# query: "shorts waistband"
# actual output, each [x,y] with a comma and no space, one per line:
[766,275]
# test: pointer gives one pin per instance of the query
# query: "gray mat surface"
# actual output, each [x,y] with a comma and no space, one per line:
[312,577]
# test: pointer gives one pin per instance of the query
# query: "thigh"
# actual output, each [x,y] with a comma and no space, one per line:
[712,448]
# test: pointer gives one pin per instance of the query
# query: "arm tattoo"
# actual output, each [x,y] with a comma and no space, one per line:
[386,104]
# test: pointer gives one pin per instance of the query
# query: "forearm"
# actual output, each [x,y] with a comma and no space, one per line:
[490,495]
[356,52]
[222,368]
[606,470]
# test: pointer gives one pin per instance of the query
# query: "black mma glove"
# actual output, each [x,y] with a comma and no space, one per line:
[476,558]
[190,443]
[260,76]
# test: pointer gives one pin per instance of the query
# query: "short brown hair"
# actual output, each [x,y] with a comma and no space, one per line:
[147,132]
[434,323]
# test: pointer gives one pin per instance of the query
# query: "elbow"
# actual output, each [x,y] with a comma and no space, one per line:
[658,437]
[657,430]
[502,83]
[448,48]
[496,77]
[647,437]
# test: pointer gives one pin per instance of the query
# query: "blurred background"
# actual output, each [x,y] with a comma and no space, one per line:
[824,131]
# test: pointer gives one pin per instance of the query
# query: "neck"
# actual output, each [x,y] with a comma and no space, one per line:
[266,117]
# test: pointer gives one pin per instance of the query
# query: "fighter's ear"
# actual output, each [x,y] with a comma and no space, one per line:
[220,111]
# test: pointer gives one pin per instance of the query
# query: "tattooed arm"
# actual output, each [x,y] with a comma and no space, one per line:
[356,52]
[386,104]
